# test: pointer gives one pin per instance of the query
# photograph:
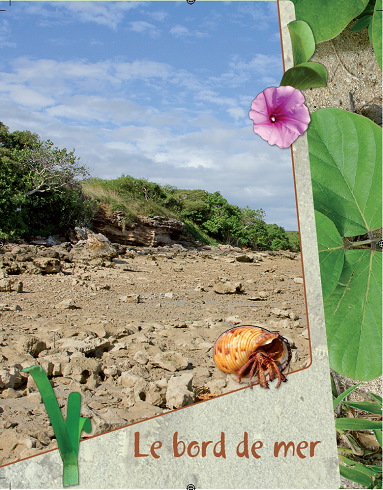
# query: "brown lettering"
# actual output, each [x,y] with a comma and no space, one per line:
[175,446]
[155,446]
[137,446]
[190,447]
[222,443]
[245,452]
[254,447]
[302,445]
[277,447]
[312,447]
[204,446]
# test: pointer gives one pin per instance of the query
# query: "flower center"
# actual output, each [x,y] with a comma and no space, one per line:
[273,118]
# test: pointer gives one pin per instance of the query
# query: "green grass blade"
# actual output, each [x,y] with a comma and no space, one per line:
[343,395]
[377,398]
[366,407]
[73,419]
[54,412]
[355,475]
[357,424]
[374,472]
[378,435]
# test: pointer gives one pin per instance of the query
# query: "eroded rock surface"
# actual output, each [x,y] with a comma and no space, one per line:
[132,329]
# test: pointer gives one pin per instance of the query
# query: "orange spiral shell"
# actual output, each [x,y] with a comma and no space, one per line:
[234,347]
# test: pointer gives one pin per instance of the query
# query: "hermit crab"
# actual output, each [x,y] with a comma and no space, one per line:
[250,351]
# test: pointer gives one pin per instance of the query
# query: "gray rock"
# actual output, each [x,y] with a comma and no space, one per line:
[141,357]
[89,346]
[156,395]
[54,364]
[129,379]
[12,377]
[223,286]
[7,307]
[243,258]
[171,361]
[279,312]
[216,386]
[5,285]
[67,304]
[130,298]
[179,392]
[47,265]
[30,345]
[83,369]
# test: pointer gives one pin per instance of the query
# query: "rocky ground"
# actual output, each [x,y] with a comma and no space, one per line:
[131,329]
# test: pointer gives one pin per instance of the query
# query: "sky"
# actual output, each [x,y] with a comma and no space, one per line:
[152,89]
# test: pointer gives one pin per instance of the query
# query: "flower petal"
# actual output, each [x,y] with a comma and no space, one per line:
[287,105]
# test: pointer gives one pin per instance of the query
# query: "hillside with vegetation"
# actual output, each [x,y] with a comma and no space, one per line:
[45,190]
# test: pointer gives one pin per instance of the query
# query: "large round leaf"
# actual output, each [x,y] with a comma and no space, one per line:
[331,253]
[305,75]
[353,314]
[328,18]
[345,152]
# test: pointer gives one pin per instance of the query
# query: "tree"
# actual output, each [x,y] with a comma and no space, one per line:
[39,190]
[277,238]
[254,232]
[49,168]
[224,221]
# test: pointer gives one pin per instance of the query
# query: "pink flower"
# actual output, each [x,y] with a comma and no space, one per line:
[279,115]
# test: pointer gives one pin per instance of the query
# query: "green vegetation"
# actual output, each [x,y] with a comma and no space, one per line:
[41,194]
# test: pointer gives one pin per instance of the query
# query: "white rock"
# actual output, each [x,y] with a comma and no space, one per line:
[179,392]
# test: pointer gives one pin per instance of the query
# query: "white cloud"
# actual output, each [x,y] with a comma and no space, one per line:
[182,31]
[236,112]
[4,35]
[110,14]
[146,28]
[158,15]
[118,129]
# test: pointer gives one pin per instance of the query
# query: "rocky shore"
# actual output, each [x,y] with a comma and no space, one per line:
[131,328]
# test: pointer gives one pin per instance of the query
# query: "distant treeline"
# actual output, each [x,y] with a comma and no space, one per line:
[41,194]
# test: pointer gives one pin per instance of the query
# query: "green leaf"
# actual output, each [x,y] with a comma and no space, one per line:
[331,253]
[302,40]
[353,317]
[370,32]
[377,32]
[67,433]
[333,388]
[369,10]
[305,75]
[343,395]
[377,467]
[377,398]
[366,407]
[345,159]
[357,424]
[378,434]
[328,18]
[360,467]
[361,23]
[345,152]
[354,475]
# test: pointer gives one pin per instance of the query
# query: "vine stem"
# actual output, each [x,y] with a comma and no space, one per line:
[342,64]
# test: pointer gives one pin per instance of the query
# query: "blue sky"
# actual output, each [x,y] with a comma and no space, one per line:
[159,90]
